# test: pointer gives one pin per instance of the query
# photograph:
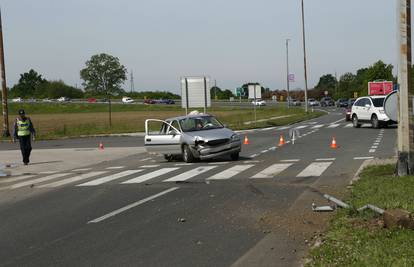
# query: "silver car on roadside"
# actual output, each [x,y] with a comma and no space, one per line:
[192,137]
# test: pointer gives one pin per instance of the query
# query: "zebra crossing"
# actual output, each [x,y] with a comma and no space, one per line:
[171,173]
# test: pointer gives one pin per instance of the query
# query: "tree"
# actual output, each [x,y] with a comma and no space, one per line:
[347,84]
[28,84]
[56,89]
[103,75]
[328,83]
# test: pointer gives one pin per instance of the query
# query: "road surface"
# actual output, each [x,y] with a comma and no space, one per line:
[144,211]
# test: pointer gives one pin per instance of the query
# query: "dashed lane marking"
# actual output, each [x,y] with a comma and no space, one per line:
[314,169]
[109,178]
[73,179]
[318,126]
[190,174]
[333,125]
[363,158]
[149,176]
[272,171]
[326,159]
[115,168]
[372,151]
[233,171]
[290,160]
[133,205]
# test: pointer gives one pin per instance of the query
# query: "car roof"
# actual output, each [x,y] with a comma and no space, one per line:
[189,116]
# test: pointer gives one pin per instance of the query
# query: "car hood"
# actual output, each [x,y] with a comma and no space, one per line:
[212,134]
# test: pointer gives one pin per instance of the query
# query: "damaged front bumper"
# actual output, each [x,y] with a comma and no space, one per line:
[206,152]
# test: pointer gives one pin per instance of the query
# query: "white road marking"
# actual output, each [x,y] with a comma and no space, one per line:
[313,122]
[363,158]
[39,180]
[115,168]
[130,206]
[374,147]
[349,125]
[149,176]
[15,179]
[233,171]
[73,179]
[326,159]
[264,151]
[82,170]
[109,178]
[337,121]
[272,171]
[253,156]
[190,174]
[314,169]
[218,163]
[318,126]
[290,160]
[48,172]
[146,159]
[301,127]
[376,144]
[272,148]
[149,166]
[333,125]
[372,151]
[284,128]
[183,164]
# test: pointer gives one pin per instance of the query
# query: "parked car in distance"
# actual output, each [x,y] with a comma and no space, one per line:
[295,102]
[342,103]
[127,100]
[149,101]
[63,99]
[47,100]
[370,109]
[92,100]
[193,137]
[259,102]
[17,100]
[167,101]
[313,102]
[351,101]
[327,102]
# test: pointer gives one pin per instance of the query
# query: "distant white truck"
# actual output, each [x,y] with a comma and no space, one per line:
[127,100]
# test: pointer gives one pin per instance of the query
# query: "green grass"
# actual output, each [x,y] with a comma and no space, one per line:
[54,121]
[356,239]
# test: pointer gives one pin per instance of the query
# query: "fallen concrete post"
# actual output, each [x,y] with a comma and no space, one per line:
[371,207]
[336,201]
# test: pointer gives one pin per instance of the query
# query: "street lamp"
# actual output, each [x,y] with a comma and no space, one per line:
[287,72]
[304,57]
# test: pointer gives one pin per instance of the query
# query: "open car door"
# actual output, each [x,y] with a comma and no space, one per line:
[162,138]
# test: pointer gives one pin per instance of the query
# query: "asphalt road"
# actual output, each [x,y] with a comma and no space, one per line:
[144,211]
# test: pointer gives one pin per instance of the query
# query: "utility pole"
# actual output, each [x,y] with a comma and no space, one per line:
[405,165]
[6,132]
[287,73]
[304,57]
[132,81]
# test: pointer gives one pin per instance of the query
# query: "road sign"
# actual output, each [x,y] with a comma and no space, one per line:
[255,91]
[380,88]
[291,77]
[239,91]
[355,94]
[195,92]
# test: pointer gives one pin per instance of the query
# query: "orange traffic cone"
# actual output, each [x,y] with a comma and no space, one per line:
[101,146]
[246,140]
[333,144]
[281,141]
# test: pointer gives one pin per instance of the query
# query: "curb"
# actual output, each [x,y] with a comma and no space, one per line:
[371,162]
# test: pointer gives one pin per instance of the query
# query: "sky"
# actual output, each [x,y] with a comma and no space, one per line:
[231,41]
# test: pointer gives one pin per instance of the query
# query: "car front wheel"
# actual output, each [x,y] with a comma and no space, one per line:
[187,154]
[355,121]
[375,122]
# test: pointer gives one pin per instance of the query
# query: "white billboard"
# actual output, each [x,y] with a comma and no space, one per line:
[195,92]
[252,89]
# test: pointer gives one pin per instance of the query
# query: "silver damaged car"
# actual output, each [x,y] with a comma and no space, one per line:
[191,137]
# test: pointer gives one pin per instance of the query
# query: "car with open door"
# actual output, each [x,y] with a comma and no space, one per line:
[192,137]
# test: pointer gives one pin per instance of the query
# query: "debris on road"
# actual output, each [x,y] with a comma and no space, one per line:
[322,208]
[181,220]
[336,201]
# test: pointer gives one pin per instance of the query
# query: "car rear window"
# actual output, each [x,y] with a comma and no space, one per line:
[378,102]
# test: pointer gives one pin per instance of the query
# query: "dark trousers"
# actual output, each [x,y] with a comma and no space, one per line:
[25,147]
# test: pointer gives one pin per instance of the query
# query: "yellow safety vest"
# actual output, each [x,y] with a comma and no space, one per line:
[23,127]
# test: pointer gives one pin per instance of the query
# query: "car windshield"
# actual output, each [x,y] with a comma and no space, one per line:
[200,124]
[378,102]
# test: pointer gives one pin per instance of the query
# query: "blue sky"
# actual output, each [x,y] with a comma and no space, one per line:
[232,41]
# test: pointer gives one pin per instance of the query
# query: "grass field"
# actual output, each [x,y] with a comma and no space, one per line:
[356,239]
[71,120]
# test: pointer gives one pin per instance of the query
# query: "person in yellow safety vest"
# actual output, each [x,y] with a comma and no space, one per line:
[25,132]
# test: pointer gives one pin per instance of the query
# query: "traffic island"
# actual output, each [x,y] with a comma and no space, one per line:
[365,237]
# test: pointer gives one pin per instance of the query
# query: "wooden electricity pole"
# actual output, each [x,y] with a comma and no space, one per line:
[405,165]
[6,132]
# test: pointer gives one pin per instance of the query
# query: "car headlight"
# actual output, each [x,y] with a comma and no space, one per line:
[235,137]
